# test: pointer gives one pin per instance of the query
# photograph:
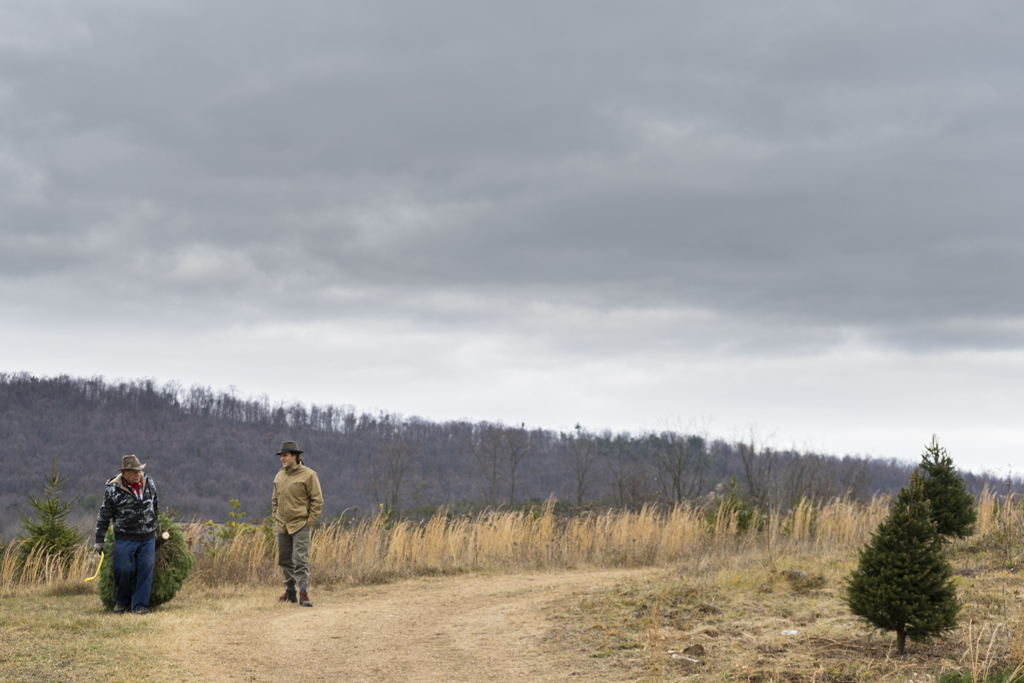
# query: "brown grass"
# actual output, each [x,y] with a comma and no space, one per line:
[372,551]
[50,636]
[716,595]
[737,615]
[46,574]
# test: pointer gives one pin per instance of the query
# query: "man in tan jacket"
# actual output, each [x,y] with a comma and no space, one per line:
[297,502]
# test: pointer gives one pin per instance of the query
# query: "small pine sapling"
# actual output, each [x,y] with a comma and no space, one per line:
[903,581]
[50,533]
[952,506]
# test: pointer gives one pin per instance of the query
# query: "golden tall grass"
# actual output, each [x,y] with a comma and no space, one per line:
[45,572]
[374,550]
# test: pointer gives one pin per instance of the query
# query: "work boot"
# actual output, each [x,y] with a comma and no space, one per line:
[304,599]
[119,608]
[141,610]
[288,596]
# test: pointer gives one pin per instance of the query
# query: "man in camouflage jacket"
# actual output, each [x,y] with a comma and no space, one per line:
[131,503]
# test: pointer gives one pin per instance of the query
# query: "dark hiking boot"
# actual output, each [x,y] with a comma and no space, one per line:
[304,599]
[119,608]
[141,610]
[288,596]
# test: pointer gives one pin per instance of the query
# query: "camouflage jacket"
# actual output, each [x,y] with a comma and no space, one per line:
[134,519]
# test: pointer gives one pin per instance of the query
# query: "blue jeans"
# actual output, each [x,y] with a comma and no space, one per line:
[133,563]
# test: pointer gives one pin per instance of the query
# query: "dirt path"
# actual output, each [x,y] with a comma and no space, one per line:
[458,629]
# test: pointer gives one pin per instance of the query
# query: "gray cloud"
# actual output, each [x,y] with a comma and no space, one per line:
[599,180]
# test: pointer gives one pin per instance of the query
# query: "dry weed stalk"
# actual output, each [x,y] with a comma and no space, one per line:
[979,666]
[987,511]
[982,665]
[9,573]
[1000,524]
[654,649]
[1017,640]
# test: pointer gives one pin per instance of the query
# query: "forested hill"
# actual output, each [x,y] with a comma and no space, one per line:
[204,448]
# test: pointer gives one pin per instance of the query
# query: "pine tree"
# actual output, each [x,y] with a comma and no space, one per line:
[903,582]
[49,534]
[952,506]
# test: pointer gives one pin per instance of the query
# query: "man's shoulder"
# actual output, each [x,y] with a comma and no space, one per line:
[115,491]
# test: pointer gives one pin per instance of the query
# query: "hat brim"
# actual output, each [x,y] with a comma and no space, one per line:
[295,452]
[134,469]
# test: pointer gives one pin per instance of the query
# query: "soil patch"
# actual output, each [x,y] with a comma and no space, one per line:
[469,628]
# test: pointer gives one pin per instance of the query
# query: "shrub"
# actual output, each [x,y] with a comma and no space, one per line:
[802,582]
[734,504]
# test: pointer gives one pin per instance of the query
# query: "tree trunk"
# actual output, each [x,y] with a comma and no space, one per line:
[901,641]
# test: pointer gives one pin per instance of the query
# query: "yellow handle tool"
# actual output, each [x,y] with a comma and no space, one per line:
[93,577]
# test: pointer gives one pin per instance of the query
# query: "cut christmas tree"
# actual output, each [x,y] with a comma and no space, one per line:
[172,566]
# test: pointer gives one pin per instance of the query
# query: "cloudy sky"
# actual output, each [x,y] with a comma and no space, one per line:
[802,217]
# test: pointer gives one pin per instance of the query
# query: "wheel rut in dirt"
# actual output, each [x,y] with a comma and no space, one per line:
[466,628]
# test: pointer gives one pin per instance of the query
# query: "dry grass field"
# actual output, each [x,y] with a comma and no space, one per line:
[624,596]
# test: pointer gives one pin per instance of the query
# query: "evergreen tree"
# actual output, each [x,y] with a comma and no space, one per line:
[49,534]
[172,565]
[952,506]
[903,582]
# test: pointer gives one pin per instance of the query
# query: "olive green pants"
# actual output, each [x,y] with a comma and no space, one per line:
[293,557]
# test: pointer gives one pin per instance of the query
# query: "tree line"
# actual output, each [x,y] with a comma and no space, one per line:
[205,447]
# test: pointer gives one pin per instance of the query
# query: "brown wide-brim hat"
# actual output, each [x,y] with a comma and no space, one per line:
[289,447]
[130,462]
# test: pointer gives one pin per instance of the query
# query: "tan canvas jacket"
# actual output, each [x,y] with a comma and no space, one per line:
[297,499]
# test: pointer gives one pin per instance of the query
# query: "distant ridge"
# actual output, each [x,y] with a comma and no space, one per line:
[205,447]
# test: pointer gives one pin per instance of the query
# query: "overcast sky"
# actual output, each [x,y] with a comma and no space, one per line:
[803,217]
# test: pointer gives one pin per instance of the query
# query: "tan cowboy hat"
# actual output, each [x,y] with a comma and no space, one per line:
[130,462]
[289,447]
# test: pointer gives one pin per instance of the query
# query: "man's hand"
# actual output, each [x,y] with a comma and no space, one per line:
[98,547]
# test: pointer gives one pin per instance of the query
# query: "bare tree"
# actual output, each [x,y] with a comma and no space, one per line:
[582,451]
[812,476]
[485,443]
[804,476]
[630,473]
[758,460]
[398,456]
[389,464]
[518,445]
[682,461]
